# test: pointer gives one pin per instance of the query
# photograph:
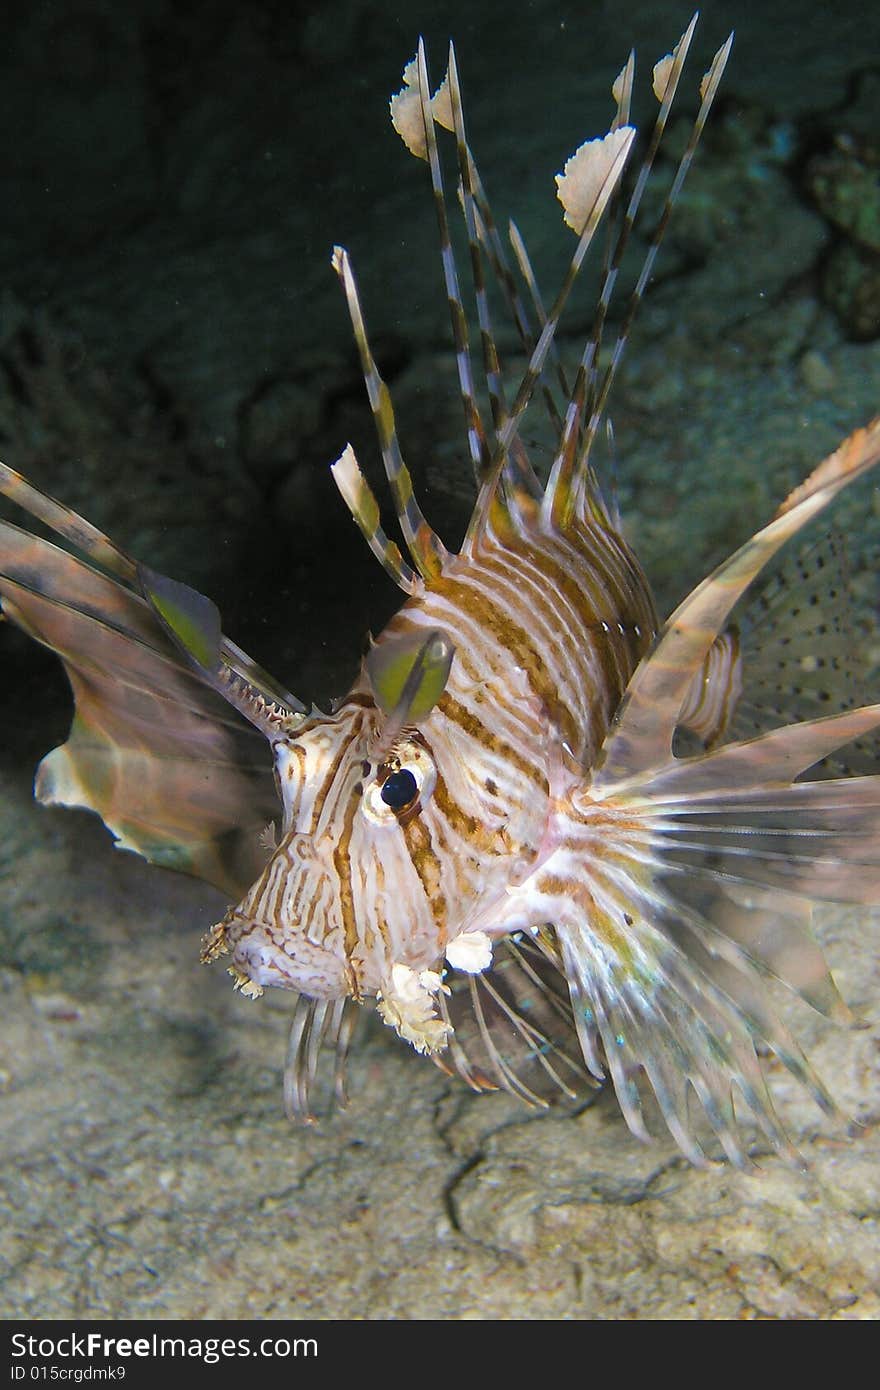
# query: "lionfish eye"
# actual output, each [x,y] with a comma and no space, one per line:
[403,786]
[400,789]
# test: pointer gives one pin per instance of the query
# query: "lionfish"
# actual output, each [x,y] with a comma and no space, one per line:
[529,832]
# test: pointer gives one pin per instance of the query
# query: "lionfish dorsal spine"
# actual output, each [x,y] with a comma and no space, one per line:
[612,173]
[708,90]
[570,475]
[360,499]
[530,281]
[427,551]
[507,484]
[431,111]
[506,478]
[520,485]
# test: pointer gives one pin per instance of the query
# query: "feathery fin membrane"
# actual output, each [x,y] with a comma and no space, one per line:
[716,860]
[154,750]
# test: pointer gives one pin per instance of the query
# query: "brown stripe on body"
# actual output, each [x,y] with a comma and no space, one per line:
[470,724]
[477,835]
[340,756]
[564,648]
[427,865]
[342,865]
[495,618]
[369,935]
[297,777]
[607,587]
[598,578]
[600,658]
[556,565]
[540,602]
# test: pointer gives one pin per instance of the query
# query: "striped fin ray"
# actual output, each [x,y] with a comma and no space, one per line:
[709,887]
[618,155]
[570,477]
[622,92]
[75,529]
[519,478]
[666,965]
[232,672]
[759,825]
[618,243]
[490,239]
[708,89]
[817,840]
[361,502]
[476,434]
[491,365]
[687,880]
[559,501]
[530,280]
[426,549]
[512,1026]
[520,485]
[681,1013]
[165,762]
[668,997]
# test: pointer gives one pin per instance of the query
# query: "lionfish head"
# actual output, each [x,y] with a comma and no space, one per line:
[401,826]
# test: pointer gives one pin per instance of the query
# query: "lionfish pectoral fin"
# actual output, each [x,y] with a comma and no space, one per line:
[511,1025]
[169,767]
[713,865]
[192,621]
[666,1007]
[716,862]
[190,618]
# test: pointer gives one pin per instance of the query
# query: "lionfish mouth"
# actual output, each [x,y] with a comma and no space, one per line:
[264,958]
